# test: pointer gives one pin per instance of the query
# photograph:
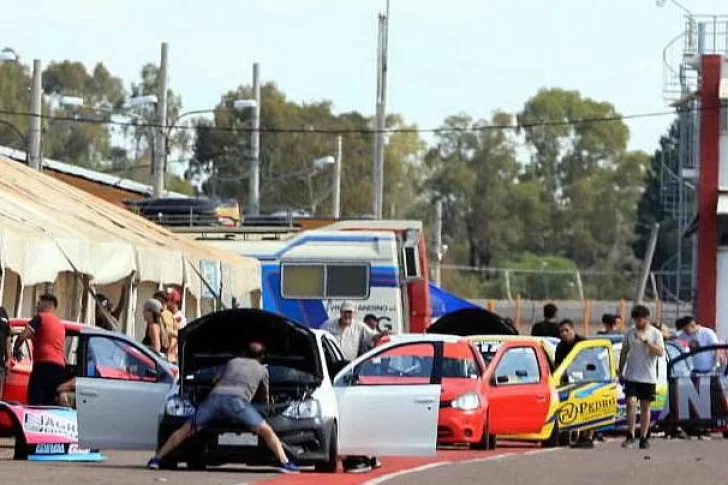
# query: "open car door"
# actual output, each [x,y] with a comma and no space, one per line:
[587,387]
[120,391]
[519,395]
[389,400]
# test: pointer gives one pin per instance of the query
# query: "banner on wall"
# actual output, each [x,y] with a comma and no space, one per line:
[210,271]
[47,434]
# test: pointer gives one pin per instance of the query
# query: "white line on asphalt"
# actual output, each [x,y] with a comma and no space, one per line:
[389,476]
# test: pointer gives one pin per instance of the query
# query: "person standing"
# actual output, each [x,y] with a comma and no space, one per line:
[48,334]
[548,327]
[231,399]
[610,325]
[155,335]
[371,321]
[354,338]
[643,344]
[173,305]
[6,351]
[168,325]
[698,337]
[569,339]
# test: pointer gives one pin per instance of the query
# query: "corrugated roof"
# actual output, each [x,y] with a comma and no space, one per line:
[88,174]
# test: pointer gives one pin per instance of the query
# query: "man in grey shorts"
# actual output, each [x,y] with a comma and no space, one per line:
[230,399]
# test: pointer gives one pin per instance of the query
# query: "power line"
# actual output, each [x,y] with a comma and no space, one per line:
[337,131]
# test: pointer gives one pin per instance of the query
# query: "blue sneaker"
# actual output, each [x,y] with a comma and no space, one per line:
[289,468]
[153,464]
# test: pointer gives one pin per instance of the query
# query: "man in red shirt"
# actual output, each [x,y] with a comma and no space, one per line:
[49,357]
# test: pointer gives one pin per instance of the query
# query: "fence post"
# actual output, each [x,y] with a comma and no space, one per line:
[623,312]
[658,310]
[517,314]
[587,317]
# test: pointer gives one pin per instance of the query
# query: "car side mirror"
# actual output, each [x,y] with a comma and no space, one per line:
[501,380]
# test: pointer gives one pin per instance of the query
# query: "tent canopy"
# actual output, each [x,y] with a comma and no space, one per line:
[443,302]
[43,220]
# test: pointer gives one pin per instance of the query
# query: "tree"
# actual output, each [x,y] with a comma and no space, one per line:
[292,136]
[68,137]
[14,98]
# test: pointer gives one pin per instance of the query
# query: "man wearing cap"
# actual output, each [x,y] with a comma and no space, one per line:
[354,338]
[173,305]
[6,351]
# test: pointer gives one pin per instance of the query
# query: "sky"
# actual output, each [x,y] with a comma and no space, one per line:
[445,57]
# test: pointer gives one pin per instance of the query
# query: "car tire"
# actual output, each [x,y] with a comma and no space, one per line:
[557,438]
[487,441]
[197,464]
[332,463]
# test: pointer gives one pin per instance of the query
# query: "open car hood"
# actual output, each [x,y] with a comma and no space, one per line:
[214,339]
[472,321]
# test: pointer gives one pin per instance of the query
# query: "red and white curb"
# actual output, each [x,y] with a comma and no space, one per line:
[429,466]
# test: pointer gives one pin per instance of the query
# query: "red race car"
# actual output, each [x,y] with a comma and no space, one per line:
[462,416]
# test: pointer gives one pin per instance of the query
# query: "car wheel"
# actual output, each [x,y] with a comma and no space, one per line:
[487,441]
[332,463]
[197,464]
[557,438]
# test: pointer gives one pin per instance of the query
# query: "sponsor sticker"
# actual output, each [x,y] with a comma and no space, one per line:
[50,449]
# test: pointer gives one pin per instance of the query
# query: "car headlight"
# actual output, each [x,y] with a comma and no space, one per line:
[179,406]
[302,410]
[467,402]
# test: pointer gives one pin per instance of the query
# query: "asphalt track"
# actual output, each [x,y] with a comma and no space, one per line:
[696,462]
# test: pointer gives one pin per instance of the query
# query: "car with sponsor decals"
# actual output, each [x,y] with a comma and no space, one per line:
[463,410]
[321,406]
[523,397]
[104,368]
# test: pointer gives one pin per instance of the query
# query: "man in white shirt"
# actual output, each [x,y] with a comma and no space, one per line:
[641,347]
[699,337]
[354,338]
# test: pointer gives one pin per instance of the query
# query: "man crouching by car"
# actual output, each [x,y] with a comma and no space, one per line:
[231,399]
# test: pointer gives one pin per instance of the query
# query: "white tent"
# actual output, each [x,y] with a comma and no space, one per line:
[49,229]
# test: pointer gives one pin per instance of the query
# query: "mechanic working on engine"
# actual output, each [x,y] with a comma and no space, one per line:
[569,339]
[6,355]
[641,347]
[355,338]
[231,399]
[49,352]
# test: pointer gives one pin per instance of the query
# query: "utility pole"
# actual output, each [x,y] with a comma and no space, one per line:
[337,179]
[438,242]
[35,126]
[647,264]
[254,195]
[160,153]
[381,114]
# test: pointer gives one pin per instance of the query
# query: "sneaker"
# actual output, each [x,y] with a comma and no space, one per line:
[361,467]
[645,444]
[375,463]
[289,467]
[153,464]
[628,443]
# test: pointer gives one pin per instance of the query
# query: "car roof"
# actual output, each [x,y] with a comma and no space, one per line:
[426,337]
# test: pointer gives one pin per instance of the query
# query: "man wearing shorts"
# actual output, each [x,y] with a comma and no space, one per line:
[230,399]
[641,347]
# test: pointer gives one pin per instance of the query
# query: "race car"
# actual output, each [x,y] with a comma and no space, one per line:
[579,395]
[463,402]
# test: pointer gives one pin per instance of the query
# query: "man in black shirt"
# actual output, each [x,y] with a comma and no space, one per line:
[548,327]
[569,339]
[610,325]
[5,348]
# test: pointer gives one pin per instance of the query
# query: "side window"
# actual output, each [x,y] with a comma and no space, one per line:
[71,350]
[408,364]
[459,363]
[590,365]
[110,358]
[518,365]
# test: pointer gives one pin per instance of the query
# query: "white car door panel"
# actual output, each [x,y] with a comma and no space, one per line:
[119,395]
[389,401]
